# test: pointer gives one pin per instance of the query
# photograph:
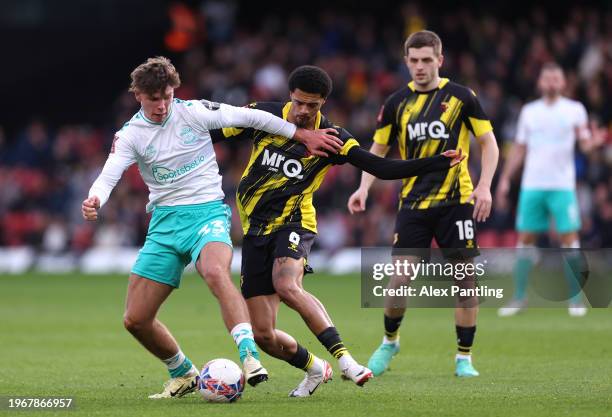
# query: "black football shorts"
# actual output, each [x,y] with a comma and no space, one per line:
[452,226]
[259,253]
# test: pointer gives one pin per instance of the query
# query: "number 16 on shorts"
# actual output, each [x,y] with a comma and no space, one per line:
[465,229]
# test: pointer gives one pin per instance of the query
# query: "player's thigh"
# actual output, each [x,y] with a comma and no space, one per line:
[291,250]
[263,310]
[456,232]
[214,261]
[405,268]
[532,211]
[563,205]
[144,297]
[413,232]
[256,267]
[287,275]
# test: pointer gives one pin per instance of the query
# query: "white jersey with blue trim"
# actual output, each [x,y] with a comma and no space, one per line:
[549,132]
[176,158]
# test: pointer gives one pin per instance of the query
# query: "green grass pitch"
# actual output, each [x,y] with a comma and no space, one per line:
[63,336]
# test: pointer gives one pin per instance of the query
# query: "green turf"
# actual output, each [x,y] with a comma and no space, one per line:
[63,336]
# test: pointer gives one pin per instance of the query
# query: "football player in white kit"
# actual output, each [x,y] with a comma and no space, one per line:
[169,140]
[545,139]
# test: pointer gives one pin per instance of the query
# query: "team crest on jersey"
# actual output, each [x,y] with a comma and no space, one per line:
[149,151]
[188,136]
[444,106]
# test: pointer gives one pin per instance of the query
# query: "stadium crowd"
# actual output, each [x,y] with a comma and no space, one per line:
[46,171]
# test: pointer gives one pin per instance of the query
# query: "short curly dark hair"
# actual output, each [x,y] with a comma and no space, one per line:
[154,76]
[310,79]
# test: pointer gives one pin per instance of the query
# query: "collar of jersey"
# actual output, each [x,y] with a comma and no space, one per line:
[146,119]
[443,82]
[288,107]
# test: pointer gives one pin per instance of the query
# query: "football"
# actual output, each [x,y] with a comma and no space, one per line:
[221,381]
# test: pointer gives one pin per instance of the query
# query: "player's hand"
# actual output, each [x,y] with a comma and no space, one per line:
[483,202]
[90,207]
[598,134]
[501,194]
[357,201]
[319,142]
[455,156]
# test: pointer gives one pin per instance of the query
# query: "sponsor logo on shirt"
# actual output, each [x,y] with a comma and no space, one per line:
[164,175]
[423,130]
[292,168]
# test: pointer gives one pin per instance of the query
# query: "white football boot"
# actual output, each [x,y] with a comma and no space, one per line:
[321,372]
[179,386]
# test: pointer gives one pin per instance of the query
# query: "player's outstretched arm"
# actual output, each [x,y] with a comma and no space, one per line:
[320,142]
[119,159]
[357,200]
[392,169]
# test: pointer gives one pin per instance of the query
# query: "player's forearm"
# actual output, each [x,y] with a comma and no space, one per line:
[514,161]
[587,141]
[257,119]
[367,179]
[393,169]
[106,181]
[489,158]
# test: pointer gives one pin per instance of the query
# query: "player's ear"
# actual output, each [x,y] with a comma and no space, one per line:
[440,60]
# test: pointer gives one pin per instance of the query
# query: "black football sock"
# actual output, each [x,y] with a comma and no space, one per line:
[465,339]
[392,325]
[332,342]
[302,359]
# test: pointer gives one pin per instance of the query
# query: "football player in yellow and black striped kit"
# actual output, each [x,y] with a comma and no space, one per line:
[426,117]
[274,199]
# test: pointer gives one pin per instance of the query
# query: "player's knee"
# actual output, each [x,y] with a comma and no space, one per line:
[215,275]
[264,337]
[288,291]
[133,324]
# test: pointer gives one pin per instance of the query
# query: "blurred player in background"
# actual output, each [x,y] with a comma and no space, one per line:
[545,139]
[274,198]
[169,140]
[424,118]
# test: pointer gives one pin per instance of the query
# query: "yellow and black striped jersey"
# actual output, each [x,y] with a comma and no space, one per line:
[277,186]
[428,123]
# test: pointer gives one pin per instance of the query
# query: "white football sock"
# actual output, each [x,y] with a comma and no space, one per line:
[346,361]
[242,331]
[387,341]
